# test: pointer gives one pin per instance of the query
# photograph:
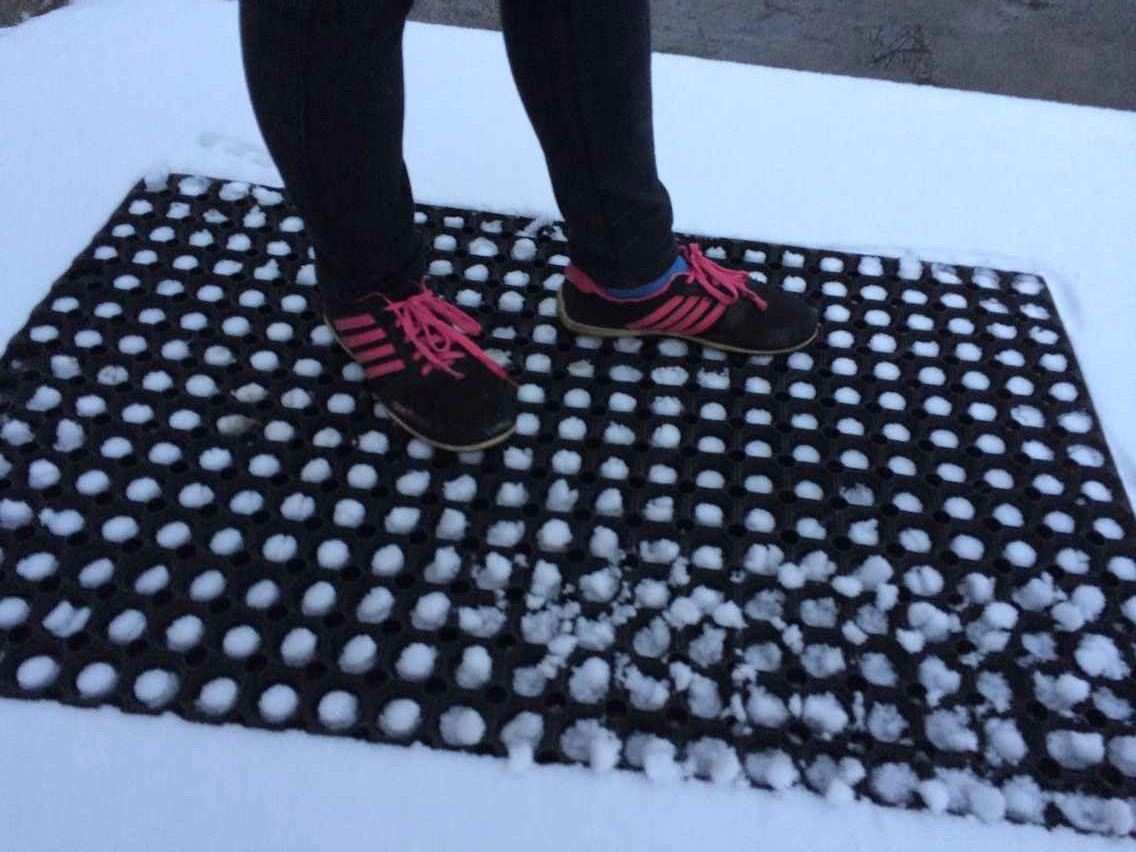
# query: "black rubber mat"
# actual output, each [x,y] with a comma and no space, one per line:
[898,563]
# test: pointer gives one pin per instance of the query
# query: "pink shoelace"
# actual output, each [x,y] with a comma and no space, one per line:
[440,332]
[725,285]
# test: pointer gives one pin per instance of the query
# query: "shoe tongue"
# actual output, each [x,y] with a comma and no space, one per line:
[371,297]
[401,290]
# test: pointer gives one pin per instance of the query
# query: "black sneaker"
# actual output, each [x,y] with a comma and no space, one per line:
[706,303]
[420,362]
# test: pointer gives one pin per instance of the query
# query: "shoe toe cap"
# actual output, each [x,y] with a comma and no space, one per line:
[789,321]
[484,414]
[802,324]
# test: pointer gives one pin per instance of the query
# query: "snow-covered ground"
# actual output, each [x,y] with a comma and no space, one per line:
[106,89]
[100,781]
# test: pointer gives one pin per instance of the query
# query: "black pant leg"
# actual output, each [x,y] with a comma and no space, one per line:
[583,70]
[326,82]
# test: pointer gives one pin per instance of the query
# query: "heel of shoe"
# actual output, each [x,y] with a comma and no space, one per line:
[580,328]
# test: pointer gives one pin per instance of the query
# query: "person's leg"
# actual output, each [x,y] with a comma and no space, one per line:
[326,84]
[325,78]
[583,69]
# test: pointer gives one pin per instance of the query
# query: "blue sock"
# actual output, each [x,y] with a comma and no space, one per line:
[651,287]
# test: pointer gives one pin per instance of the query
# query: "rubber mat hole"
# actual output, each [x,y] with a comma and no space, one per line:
[219,605]
[615,709]
[799,731]
[1113,778]
[376,677]
[19,634]
[315,671]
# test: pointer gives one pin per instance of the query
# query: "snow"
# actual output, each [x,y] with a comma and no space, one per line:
[868,142]
[96,679]
[400,717]
[152,580]
[358,654]
[262,594]
[773,769]
[318,599]
[36,673]
[444,568]
[824,714]
[376,606]
[1122,754]
[241,641]
[61,523]
[349,513]
[589,682]
[401,519]
[1075,749]
[298,646]
[277,703]
[430,611]
[462,726]
[155,687]
[949,730]
[600,586]
[416,662]
[1098,656]
[475,668]
[338,710]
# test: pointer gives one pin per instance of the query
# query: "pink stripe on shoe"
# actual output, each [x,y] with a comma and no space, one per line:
[680,317]
[656,316]
[349,323]
[701,306]
[707,320]
[376,370]
[364,337]
[375,353]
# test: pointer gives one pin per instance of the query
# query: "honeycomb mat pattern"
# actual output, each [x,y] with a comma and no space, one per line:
[898,564]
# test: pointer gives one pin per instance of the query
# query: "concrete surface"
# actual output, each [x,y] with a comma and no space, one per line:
[14,11]
[1076,51]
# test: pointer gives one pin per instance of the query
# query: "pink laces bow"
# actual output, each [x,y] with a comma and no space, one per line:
[440,332]
[725,285]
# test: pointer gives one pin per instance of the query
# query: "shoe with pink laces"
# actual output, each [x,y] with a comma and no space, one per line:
[701,301]
[420,361]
